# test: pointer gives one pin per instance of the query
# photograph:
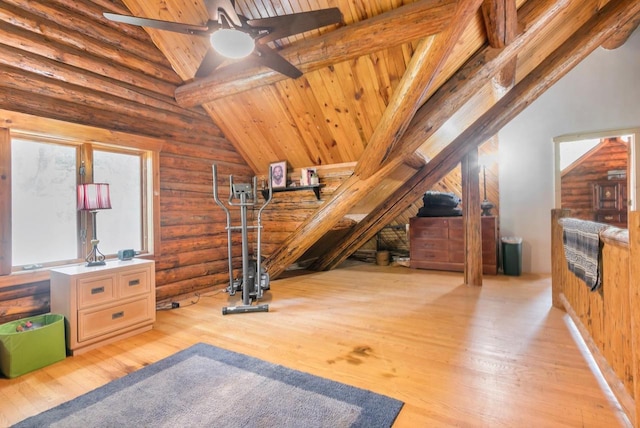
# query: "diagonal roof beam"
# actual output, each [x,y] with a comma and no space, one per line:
[417,20]
[573,51]
[458,90]
[356,188]
[621,36]
[485,64]
[426,63]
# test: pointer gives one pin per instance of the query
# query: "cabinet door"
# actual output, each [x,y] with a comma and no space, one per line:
[606,196]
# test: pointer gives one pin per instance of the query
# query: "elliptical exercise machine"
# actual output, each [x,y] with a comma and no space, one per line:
[254,278]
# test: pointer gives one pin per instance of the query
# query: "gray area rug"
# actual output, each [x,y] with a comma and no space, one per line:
[205,386]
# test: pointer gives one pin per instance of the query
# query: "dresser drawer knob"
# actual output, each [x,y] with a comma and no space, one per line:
[134,282]
[97,290]
[117,315]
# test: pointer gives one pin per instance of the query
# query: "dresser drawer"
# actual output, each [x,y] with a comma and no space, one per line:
[428,227]
[428,244]
[429,233]
[103,321]
[611,217]
[434,255]
[95,291]
[133,283]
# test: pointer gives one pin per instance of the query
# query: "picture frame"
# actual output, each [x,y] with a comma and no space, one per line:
[278,172]
[306,176]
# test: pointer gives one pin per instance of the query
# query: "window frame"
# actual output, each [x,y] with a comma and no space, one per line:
[86,137]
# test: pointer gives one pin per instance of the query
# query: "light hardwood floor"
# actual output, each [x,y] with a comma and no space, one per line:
[497,355]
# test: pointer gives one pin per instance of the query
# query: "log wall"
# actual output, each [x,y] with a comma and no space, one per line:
[289,209]
[67,69]
[603,318]
[576,181]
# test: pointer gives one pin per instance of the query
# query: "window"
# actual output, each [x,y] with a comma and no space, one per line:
[46,227]
[44,220]
[121,226]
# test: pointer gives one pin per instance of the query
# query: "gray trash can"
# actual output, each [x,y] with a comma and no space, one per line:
[512,255]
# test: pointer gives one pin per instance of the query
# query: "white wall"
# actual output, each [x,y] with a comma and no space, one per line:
[601,93]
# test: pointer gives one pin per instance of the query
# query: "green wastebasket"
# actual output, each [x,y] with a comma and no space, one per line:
[512,255]
[31,343]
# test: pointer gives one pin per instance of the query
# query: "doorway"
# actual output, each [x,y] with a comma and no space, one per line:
[597,159]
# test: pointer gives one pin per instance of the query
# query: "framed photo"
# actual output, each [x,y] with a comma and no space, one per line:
[278,174]
[306,175]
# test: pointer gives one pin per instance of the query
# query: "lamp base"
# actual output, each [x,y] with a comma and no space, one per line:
[486,207]
[95,257]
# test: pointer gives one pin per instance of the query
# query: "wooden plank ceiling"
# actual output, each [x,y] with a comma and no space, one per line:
[397,84]
[328,115]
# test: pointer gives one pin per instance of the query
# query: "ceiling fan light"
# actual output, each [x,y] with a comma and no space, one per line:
[232,43]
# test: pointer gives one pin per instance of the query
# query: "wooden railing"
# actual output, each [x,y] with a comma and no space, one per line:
[607,318]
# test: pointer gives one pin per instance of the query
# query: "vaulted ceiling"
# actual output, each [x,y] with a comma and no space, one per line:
[352,70]
[400,89]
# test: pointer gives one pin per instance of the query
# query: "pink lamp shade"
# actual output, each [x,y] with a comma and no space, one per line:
[93,196]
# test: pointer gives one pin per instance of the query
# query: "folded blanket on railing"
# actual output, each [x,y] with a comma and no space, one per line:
[582,249]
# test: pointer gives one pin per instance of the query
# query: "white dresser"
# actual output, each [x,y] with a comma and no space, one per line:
[102,304]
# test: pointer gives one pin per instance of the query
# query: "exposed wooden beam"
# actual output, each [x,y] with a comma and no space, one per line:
[436,111]
[501,23]
[405,101]
[574,50]
[417,20]
[621,36]
[535,16]
[458,90]
[472,226]
[426,63]
[5,201]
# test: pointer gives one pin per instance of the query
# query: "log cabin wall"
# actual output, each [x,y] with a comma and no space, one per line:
[94,75]
[290,208]
[577,179]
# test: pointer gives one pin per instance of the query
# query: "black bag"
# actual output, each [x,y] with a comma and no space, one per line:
[440,199]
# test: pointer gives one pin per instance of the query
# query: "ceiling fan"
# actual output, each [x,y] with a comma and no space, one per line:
[234,36]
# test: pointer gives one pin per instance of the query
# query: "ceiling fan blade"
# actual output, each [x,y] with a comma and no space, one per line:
[210,62]
[270,58]
[176,27]
[295,23]
[214,6]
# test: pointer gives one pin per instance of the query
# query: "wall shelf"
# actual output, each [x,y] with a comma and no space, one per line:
[316,189]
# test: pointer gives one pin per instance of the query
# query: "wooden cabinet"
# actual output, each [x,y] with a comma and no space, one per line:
[102,304]
[610,202]
[438,243]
